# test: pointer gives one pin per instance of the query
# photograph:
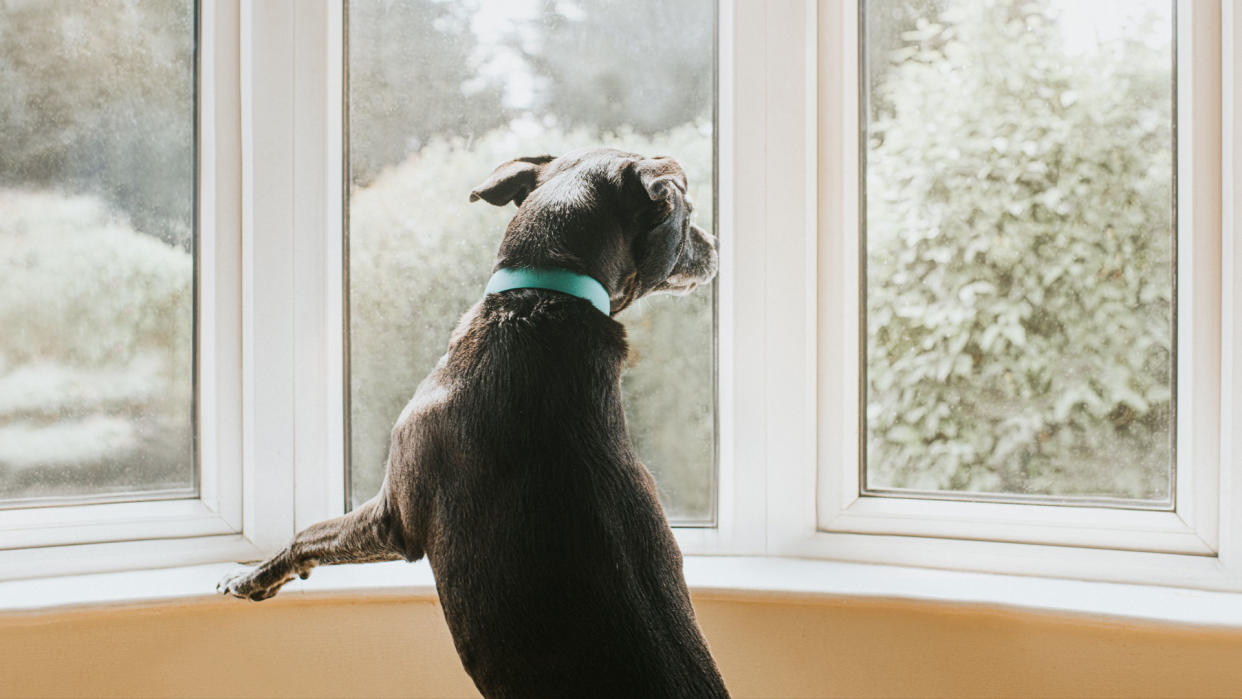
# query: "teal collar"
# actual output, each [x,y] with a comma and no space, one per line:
[561,280]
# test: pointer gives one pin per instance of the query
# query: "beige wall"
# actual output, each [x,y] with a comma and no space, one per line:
[339,646]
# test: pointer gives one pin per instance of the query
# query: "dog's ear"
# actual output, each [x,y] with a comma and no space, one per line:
[512,181]
[656,250]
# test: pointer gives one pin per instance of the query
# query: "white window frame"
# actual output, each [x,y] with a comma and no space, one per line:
[819,512]
[1191,527]
[269,241]
[119,534]
[271,385]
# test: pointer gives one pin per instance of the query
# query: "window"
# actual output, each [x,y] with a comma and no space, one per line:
[442,93]
[917,252]
[97,252]
[120,290]
[1019,223]
[963,320]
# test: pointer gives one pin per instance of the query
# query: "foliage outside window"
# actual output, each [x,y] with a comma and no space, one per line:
[96,238]
[1019,248]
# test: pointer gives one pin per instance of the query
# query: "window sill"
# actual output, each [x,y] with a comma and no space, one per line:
[709,576]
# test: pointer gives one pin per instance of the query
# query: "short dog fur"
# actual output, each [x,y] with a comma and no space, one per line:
[511,468]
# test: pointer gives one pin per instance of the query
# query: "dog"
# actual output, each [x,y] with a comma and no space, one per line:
[511,468]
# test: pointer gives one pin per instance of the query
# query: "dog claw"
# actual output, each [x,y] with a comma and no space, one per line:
[230,584]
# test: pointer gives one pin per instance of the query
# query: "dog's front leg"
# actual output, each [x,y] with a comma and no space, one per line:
[362,536]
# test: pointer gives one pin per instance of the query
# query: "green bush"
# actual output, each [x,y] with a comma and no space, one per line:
[1019,252]
[95,355]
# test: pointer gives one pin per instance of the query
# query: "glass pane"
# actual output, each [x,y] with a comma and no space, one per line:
[97,168]
[440,94]
[1019,171]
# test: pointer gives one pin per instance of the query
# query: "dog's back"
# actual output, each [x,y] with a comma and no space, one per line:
[557,571]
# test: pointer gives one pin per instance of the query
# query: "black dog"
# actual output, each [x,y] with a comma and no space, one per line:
[511,468]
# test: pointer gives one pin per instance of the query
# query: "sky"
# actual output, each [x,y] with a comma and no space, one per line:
[494,19]
[1084,24]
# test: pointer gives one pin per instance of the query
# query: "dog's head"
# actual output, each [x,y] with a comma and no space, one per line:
[618,217]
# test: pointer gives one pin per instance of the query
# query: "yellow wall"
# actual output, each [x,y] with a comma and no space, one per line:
[388,646]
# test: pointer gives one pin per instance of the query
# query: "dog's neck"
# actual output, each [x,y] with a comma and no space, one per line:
[573,242]
[547,325]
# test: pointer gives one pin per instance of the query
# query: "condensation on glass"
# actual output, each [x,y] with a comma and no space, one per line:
[440,93]
[1019,249]
[97,270]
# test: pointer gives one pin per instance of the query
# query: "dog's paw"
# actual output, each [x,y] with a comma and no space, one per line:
[254,584]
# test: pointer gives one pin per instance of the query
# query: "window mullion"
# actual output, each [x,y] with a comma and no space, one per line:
[319,392]
[1231,296]
[269,243]
[1199,266]
[788,191]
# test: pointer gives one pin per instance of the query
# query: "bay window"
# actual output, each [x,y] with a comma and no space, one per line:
[976,307]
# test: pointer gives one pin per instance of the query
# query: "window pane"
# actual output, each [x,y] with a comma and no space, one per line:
[442,92]
[96,250]
[1019,172]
